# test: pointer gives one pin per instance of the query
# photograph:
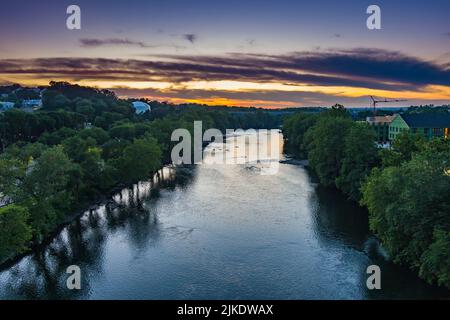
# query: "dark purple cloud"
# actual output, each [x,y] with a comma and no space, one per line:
[92,42]
[365,68]
[369,65]
[190,37]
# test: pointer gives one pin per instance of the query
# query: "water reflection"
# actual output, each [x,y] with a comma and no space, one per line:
[82,242]
[216,232]
[338,220]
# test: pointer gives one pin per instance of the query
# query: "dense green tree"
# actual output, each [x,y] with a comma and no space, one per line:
[161,130]
[98,134]
[93,167]
[123,131]
[25,152]
[294,129]
[402,149]
[52,165]
[325,142]
[436,259]
[55,138]
[11,172]
[87,110]
[140,159]
[45,190]
[113,149]
[405,216]
[359,157]
[15,233]
[52,100]
[76,148]
[25,94]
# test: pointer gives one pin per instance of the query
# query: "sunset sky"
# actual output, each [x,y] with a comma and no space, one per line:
[250,53]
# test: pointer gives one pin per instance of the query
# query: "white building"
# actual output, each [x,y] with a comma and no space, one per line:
[32,103]
[141,107]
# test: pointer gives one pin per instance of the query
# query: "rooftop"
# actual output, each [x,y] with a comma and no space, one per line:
[380,119]
[141,107]
[427,120]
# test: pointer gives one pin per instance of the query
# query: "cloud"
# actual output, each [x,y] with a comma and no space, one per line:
[250,42]
[265,98]
[92,42]
[190,37]
[361,68]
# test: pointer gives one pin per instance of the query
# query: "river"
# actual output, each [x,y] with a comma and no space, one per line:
[216,232]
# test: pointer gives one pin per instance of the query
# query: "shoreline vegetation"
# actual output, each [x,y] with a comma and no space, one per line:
[106,199]
[405,188]
[84,144]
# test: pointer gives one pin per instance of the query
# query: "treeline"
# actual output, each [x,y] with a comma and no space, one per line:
[84,143]
[341,151]
[406,188]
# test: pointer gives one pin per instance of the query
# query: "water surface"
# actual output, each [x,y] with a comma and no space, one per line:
[216,232]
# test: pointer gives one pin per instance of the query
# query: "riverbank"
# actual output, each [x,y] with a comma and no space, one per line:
[103,199]
[225,233]
[344,155]
[297,162]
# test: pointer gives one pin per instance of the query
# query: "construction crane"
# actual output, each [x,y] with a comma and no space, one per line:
[376,100]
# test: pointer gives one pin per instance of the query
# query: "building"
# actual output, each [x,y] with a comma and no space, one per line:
[141,107]
[381,126]
[4,201]
[88,125]
[32,103]
[6,106]
[430,125]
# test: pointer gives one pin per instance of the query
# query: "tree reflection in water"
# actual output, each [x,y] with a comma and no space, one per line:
[42,274]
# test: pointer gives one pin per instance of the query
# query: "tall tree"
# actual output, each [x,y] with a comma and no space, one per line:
[140,159]
[325,143]
[359,157]
[44,190]
[15,233]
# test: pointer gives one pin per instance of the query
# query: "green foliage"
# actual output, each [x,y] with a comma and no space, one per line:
[436,259]
[125,131]
[44,190]
[140,159]
[15,233]
[98,134]
[407,204]
[341,151]
[406,188]
[11,171]
[402,149]
[162,130]
[52,164]
[53,100]
[294,129]
[76,148]
[359,157]
[56,137]
[325,142]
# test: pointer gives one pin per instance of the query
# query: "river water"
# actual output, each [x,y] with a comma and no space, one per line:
[216,232]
